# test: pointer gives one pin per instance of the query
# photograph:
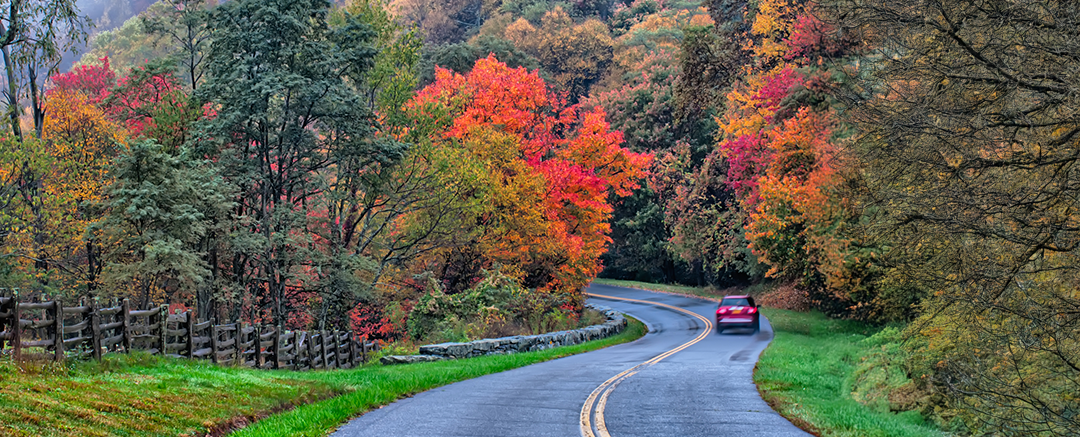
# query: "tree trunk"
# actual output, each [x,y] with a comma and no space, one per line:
[13,91]
[91,268]
[36,105]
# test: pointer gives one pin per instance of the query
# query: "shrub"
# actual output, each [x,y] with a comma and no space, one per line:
[495,307]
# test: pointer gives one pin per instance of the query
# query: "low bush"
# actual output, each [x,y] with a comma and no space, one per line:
[881,380]
[494,307]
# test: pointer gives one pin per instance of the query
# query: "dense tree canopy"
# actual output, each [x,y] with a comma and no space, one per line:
[971,129]
[310,163]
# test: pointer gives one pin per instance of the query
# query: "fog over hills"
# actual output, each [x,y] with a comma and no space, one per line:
[106,15]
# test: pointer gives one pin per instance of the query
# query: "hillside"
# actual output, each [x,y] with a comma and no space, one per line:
[415,169]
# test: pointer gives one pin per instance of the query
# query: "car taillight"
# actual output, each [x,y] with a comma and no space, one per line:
[721,311]
[752,310]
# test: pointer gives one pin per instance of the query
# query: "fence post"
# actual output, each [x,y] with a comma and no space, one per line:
[58,330]
[342,336]
[95,330]
[16,332]
[363,350]
[300,339]
[296,350]
[124,313]
[349,347]
[275,344]
[3,306]
[309,349]
[337,349]
[332,349]
[352,350]
[322,349]
[163,320]
[310,340]
[190,322]
[213,343]
[239,355]
[297,338]
[257,346]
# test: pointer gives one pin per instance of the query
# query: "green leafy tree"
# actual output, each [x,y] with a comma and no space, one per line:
[289,127]
[461,57]
[392,78]
[645,110]
[126,46]
[182,26]
[160,208]
[712,58]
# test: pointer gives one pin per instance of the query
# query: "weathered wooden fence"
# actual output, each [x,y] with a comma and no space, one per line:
[51,330]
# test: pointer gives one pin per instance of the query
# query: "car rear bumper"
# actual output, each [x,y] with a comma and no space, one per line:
[736,322]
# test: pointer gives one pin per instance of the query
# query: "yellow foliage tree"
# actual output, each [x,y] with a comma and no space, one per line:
[60,190]
[576,55]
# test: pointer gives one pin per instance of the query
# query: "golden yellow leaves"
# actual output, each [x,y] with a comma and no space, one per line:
[82,140]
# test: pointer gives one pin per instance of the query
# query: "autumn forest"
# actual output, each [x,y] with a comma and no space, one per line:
[436,170]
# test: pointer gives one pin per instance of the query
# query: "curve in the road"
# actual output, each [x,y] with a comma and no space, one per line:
[706,389]
[595,403]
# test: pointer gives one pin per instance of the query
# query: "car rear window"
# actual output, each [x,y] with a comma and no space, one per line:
[735,302]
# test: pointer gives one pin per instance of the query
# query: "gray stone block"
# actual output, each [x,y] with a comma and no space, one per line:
[409,359]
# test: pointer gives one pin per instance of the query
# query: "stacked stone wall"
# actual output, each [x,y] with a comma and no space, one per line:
[614,324]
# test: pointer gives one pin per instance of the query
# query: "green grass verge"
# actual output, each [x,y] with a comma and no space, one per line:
[140,395]
[373,386]
[705,292]
[808,372]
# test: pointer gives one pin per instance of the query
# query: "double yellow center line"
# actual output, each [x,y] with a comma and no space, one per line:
[594,405]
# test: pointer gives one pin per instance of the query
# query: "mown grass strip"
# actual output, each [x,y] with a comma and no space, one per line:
[138,395]
[376,385]
[805,374]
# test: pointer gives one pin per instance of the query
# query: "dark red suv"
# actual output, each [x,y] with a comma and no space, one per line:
[737,312]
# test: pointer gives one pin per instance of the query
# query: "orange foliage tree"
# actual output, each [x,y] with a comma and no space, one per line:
[779,139]
[537,172]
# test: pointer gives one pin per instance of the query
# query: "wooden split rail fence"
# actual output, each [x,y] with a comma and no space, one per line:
[51,330]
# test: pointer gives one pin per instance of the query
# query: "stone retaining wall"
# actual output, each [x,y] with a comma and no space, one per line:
[519,343]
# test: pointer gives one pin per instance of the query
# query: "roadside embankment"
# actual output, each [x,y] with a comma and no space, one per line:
[139,394]
[816,367]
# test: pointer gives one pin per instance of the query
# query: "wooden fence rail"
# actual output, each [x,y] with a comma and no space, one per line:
[49,330]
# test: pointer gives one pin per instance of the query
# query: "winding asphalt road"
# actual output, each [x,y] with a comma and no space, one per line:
[704,389]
